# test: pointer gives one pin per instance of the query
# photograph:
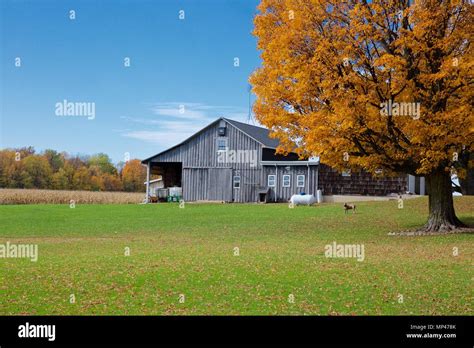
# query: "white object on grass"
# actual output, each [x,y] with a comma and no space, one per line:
[303,199]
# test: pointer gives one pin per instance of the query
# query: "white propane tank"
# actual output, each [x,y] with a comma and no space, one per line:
[303,199]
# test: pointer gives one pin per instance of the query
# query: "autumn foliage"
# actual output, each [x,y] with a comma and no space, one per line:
[379,85]
[23,168]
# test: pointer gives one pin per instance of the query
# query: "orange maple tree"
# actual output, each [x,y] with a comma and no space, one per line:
[375,85]
[133,176]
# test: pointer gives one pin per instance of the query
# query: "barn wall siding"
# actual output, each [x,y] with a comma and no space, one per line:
[250,183]
[333,183]
[193,179]
[283,194]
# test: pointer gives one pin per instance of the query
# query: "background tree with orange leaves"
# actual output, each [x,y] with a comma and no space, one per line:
[374,85]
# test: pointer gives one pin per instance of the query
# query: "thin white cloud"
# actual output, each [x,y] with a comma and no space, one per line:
[162,138]
[149,136]
[182,112]
[172,122]
[142,120]
[194,111]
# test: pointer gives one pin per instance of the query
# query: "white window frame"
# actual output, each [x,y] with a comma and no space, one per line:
[273,179]
[226,140]
[236,181]
[298,180]
[288,179]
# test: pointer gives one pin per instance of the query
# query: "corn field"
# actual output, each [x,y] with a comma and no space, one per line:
[33,196]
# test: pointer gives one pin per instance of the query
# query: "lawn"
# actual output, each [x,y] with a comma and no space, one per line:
[191,252]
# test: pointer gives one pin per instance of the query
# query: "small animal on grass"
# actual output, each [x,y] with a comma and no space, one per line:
[349,207]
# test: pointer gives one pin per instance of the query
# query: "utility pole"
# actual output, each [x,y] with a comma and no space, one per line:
[249,116]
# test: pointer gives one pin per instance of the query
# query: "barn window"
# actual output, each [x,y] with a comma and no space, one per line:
[286,180]
[271,180]
[237,181]
[221,144]
[346,173]
[300,180]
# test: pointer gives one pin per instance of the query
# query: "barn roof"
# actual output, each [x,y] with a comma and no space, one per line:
[260,134]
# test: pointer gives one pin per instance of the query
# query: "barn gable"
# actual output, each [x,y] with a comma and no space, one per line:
[201,149]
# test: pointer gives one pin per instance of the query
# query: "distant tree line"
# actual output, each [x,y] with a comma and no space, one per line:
[24,168]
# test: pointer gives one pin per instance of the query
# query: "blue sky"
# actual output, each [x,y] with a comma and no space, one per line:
[181,75]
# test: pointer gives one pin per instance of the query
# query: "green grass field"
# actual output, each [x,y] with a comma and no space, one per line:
[190,251]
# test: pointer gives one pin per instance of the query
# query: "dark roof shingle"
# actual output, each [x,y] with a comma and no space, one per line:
[260,134]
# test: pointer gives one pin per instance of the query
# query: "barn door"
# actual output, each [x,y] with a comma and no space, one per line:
[220,184]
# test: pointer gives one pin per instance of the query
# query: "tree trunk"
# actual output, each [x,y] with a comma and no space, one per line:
[442,217]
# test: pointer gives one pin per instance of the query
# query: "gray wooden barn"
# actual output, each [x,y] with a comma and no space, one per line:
[230,161]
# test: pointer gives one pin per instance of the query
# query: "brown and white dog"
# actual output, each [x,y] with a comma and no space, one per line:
[349,207]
